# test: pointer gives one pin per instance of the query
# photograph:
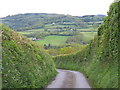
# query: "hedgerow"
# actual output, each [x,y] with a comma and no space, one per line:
[24,63]
[99,60]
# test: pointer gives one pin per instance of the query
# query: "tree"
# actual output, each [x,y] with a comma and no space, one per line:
[45,46]
[49,45]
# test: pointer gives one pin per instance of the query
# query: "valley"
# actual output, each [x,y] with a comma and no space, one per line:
[57,31]
[43,51]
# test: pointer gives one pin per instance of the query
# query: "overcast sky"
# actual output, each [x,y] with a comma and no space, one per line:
[71,7]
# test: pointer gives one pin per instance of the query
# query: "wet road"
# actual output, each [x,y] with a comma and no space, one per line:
[69,79]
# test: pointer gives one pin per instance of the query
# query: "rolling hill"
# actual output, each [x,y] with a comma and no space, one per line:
[29,21]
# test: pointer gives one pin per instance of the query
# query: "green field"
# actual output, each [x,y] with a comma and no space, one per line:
[87,36]
[53,40]
[33,30]
[30,31]
[57,40]
[25,32]
[88,29]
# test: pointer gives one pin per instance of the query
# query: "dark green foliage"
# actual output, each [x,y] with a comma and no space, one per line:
[22,22]
[99,60]
[92,18]
[24,63]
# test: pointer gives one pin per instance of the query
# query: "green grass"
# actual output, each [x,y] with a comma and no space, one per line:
[30,31]
[53,40]
[87,36]
[50,26]
[60,40]
[24,32]
[88,29]
[33,30]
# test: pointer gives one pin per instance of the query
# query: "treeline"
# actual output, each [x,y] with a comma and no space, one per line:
[99,60]
[64,49]
[29,21]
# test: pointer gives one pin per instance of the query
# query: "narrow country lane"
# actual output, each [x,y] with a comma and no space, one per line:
[69,79]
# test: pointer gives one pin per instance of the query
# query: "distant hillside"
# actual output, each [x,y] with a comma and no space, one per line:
[38,20]
[99,60]
[24,63]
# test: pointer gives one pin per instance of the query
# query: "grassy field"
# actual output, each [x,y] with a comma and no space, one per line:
[87,36]
[33,30]
[56,40]
[53,40]
[30,31]
[24,32]
[88,29]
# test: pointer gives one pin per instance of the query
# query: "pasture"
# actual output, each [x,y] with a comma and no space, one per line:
[53,40]
[87,36]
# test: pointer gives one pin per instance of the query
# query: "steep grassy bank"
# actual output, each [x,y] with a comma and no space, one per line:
[24,63]
[99,60]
